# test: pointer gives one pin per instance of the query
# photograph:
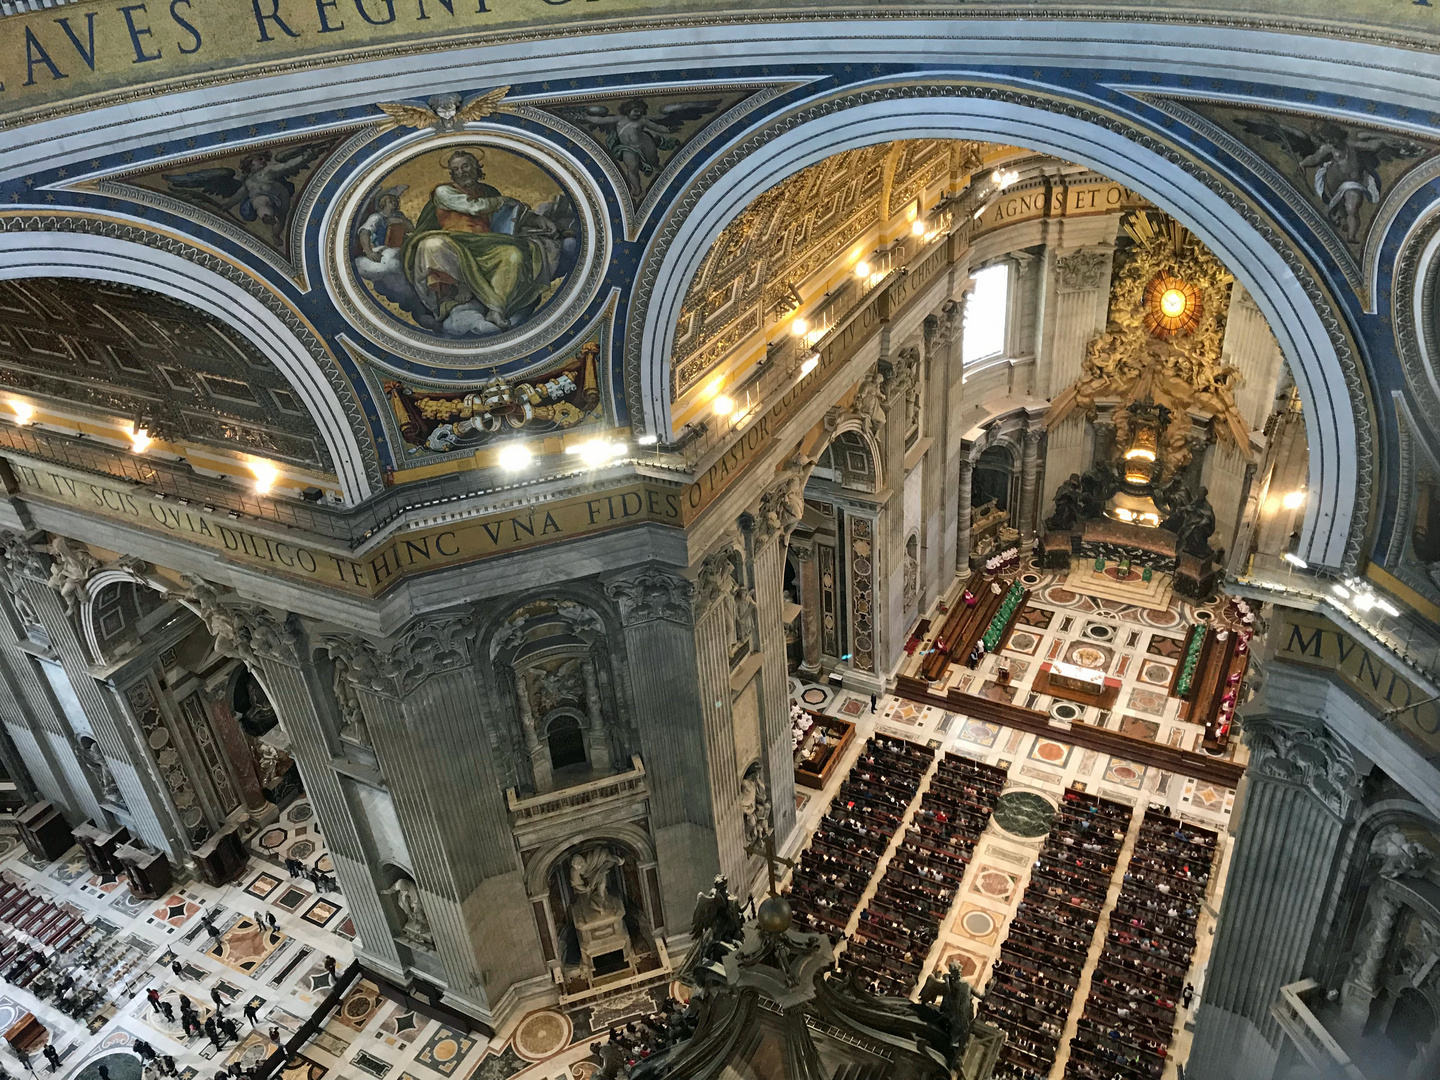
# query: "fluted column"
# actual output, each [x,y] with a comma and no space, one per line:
[966,516]
[810,614]
[1029,478]
[599,738]
[656,612]
[778,749]
[120,741]
[1299,792]
[426,721]
[294,692]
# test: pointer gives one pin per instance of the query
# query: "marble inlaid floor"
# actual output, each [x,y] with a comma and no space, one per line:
[1134,644]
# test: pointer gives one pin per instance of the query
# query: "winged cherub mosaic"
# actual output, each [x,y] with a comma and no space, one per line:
[1340,166]
[635,138]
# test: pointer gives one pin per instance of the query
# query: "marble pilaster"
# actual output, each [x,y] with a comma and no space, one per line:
[714,631]
[1298,797]
[655,611]
[777,747]
[151,817]
[420,703]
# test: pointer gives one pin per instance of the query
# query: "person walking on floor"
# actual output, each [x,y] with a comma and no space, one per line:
[872,702]
[168,1011]
[249,1010]
[154,996]
[270,918]
[219,1001]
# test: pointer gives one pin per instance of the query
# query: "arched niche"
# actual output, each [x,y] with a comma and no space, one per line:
[554,669]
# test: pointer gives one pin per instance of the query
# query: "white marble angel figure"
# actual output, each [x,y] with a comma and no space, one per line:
[589,876]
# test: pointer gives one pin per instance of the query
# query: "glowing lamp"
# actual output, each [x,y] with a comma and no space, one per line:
[917,227]
[799,327]
[265,476]
[140,440]
[809,364]
[24,412]
[1294,500]
[515,457]
[723,405]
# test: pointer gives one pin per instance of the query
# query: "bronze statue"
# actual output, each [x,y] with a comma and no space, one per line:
[1067,505]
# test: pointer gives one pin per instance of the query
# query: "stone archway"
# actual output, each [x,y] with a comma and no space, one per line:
[1301,316]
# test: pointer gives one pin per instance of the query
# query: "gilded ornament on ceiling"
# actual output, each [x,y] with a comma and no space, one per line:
[794,230]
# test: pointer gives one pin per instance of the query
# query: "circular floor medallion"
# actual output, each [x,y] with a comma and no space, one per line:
[542,1034]
[1204,616]
[1086,657]
[994,883]
[978,923]
[302,849]
[300,812]
[271,839]
[814,696]
[1030,579]
[122,1065]
[1099,631]
[324,864]
[1065,710]
[1123,772]
[1023,813]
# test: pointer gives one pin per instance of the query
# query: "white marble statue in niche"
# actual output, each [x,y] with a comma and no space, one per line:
[416,927]
[597,915]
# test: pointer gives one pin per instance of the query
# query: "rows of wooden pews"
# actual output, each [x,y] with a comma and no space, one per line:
[1035,978]
[917,891]
[836,868]
[1129,1015]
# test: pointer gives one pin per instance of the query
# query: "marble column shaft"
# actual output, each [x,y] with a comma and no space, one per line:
[239,756]
[1273,897]
[1029,478]
[778,749]
[966,515]
[671,722]
[293,693]
[810,610]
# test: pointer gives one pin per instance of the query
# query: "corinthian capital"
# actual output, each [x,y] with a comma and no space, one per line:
[650,594]
[1298,750]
